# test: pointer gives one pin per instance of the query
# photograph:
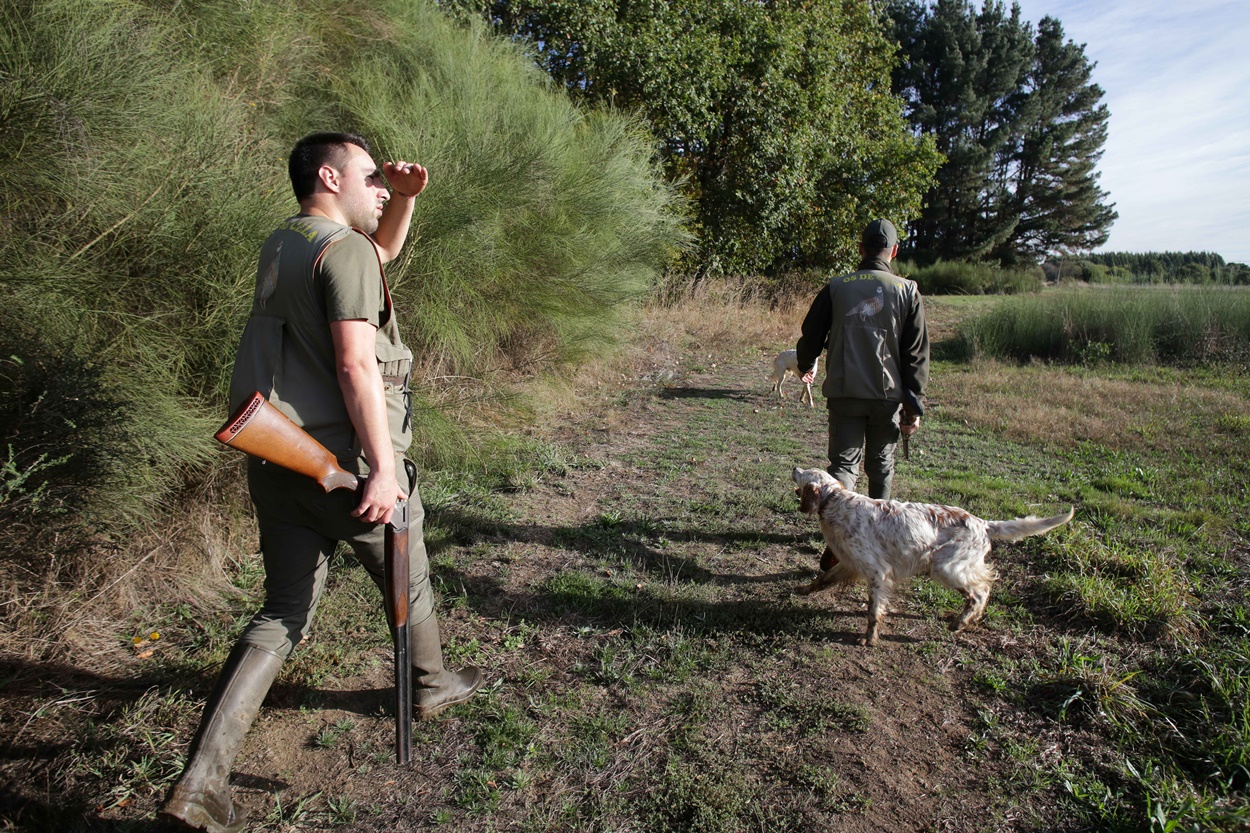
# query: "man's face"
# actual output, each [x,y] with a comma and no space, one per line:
[362,189]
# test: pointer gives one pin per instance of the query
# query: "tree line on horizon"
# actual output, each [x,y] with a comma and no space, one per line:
[780,120]
[1151,268]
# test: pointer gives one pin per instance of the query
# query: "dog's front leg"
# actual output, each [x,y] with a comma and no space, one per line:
[829,574]
[813,586]
[878,601]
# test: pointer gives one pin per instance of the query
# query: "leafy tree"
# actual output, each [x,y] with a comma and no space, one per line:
[1019,122]
[776,115]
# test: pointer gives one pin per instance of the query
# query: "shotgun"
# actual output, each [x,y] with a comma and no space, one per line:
[260,429]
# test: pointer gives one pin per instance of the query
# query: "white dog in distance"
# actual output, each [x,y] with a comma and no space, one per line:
[786,365]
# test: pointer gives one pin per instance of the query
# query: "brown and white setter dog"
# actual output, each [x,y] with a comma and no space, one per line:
[883,542]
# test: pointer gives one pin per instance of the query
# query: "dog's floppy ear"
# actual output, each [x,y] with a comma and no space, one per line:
[809,498]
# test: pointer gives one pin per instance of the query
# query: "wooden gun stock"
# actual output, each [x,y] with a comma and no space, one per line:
[263,431]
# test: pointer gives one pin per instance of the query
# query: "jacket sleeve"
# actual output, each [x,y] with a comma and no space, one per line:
[915,348]
[815,332]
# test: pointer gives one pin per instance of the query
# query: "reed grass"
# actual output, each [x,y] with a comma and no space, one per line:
[1168,325]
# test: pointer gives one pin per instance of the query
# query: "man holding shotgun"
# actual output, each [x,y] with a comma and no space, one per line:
[323,347]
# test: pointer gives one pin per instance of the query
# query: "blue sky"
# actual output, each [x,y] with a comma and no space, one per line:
[1176,77]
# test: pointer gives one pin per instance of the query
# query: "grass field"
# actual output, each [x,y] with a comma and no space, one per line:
[628,595]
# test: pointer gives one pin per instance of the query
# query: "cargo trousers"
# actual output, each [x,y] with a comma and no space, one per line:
[300,527]
[864,431]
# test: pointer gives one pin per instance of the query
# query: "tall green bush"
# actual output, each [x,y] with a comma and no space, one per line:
[126,229]
[142,162]
[965,278]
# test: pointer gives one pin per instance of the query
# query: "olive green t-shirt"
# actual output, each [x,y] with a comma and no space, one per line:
[313,271]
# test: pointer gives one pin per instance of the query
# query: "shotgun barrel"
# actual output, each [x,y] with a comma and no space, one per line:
[397,613]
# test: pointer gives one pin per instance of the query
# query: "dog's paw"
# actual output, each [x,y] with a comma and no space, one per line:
[960,623]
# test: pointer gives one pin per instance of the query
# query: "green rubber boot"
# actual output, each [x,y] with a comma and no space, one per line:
[434,688]
[201,798]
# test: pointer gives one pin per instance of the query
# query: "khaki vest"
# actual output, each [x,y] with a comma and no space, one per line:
[287,352]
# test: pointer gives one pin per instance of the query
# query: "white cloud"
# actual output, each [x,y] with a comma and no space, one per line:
[1176,78]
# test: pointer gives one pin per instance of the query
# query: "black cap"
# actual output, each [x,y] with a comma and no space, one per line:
[879,235]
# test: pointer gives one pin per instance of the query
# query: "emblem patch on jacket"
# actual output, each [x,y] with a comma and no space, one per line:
[869,307]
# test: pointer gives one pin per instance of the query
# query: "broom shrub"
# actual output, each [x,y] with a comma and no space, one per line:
[143,161]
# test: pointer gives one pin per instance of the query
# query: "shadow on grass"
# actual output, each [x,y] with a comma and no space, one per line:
[954,349]
[709,393]
[60,713]
[642,544]
[577,597]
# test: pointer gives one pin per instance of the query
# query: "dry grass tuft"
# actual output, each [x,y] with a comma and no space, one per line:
[710,319]
[727,318]
[90,611]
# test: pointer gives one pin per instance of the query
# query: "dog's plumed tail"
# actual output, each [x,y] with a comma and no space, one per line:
[1024,527]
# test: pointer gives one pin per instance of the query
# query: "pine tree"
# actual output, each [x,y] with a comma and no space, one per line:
[1019,122]
[962,76]
[1056,197]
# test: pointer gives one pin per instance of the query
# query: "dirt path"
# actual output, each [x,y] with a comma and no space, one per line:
[648,669]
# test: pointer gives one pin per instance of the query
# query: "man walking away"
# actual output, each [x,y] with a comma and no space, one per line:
[872,323]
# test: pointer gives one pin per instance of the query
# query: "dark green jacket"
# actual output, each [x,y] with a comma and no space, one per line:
[873,325]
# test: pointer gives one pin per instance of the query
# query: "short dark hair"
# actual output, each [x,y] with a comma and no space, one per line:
[313,151]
